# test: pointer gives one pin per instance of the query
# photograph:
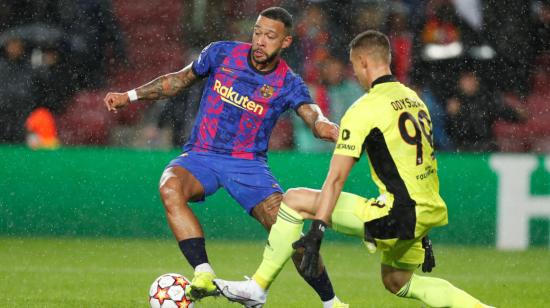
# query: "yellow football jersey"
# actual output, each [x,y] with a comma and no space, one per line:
[393,126]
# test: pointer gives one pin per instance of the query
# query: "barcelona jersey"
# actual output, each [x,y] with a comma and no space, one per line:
[240,105]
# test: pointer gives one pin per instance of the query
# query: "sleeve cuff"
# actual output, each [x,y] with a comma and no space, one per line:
[195,70]
[302,103]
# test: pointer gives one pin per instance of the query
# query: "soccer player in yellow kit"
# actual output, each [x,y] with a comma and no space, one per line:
[393,126]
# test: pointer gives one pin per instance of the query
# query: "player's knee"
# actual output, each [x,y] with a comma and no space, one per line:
[393,283]
[292,197]
[171,192]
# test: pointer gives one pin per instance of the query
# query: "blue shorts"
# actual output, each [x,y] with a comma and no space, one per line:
[249,182]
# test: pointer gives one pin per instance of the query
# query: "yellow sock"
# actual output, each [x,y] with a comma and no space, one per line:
[436,292]
[284,232]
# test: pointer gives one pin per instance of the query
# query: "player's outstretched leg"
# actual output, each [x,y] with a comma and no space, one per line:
[253,292]
[177,187]
[434,292]
[250,294]
[266,213]
[286,230]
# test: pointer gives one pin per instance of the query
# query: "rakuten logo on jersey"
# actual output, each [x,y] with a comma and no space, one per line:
[236,99]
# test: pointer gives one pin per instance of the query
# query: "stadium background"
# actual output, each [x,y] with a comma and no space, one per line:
[81,223]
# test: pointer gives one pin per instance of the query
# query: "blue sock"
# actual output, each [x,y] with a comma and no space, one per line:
[322,286]
[194,251]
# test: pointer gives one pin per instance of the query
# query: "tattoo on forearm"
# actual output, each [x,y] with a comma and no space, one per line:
[166,85]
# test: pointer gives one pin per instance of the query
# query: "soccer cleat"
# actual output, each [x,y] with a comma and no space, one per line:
[247,292]
[338,304]
[202,285]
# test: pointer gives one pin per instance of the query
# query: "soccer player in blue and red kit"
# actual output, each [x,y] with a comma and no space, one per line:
[248,87]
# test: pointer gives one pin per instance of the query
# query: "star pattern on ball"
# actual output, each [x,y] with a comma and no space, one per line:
[184,303]
[161,295]
[181,281]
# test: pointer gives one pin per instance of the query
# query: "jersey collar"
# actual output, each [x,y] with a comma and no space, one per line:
[383,79]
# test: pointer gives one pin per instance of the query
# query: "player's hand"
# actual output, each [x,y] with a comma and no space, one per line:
[429,257]
[311,243]
[115,101]
[326,130]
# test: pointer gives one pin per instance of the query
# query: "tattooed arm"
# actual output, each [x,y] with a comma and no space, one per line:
[164,86]
[167,85]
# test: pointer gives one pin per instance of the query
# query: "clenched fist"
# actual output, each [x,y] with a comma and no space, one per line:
[115,101]
[326,130]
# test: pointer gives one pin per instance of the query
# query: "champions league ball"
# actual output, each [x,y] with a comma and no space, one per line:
[168,291]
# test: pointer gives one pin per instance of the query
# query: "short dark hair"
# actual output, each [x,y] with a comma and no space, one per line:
[279,14]
[373,41]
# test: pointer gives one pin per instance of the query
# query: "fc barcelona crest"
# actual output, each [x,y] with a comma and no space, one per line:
[266,91]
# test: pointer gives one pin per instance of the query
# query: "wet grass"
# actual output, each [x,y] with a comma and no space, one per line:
[78,272]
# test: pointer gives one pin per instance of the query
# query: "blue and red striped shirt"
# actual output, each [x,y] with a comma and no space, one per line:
[240,105]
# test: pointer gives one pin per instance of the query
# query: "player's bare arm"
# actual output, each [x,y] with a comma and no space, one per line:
[167,85]
[320,126]
[163,86]
[340,167]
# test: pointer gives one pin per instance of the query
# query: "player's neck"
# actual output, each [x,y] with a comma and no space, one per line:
[378,72]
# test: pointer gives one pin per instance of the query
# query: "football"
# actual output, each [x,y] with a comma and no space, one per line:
[168,291]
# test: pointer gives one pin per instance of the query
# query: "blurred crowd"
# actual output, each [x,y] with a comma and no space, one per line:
[51,49]
[482,66]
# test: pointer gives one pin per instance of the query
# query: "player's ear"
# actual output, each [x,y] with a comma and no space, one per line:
[287,40]
[364,60]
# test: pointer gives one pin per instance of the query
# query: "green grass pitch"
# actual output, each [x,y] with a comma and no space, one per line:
[75,272]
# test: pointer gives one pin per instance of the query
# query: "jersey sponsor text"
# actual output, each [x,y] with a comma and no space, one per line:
[236,99]
[429,171]
[344,146]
